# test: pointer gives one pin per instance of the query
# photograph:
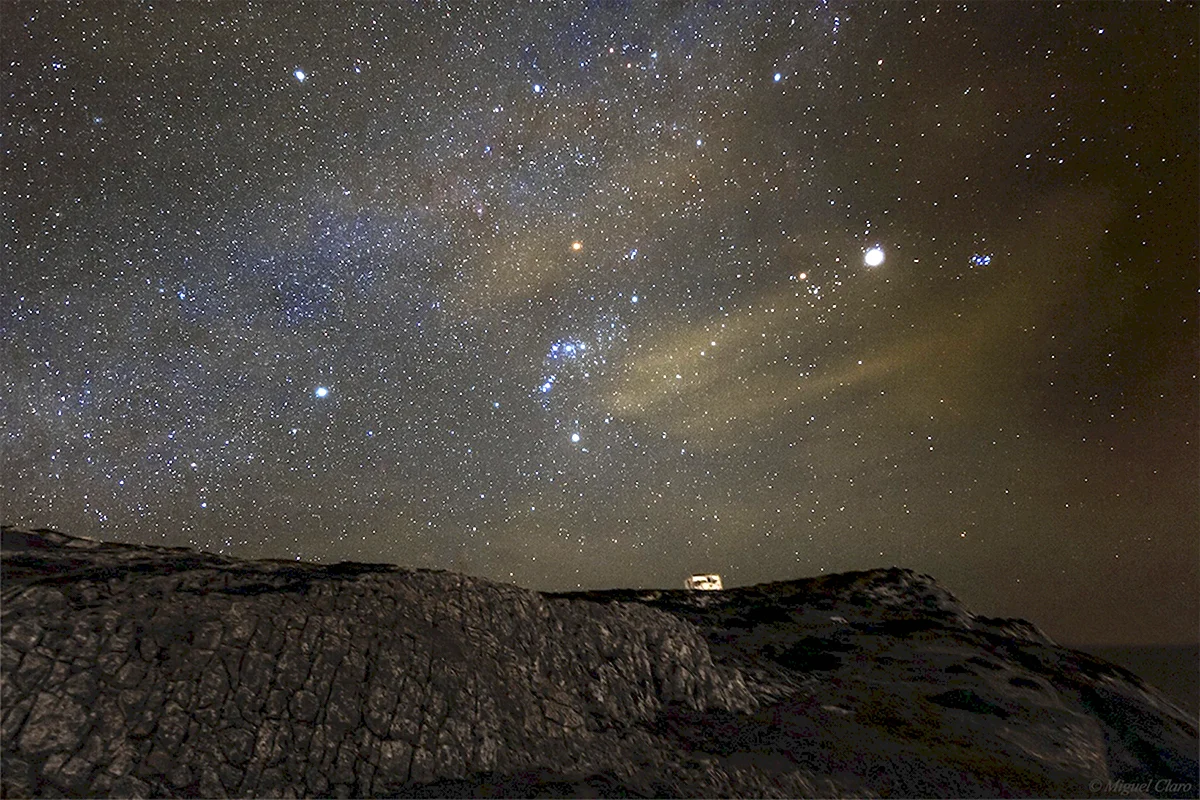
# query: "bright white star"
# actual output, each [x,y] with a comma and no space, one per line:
[873,257]
[300,75]
[321,391]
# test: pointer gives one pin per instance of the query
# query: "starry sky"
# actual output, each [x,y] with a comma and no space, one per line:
[604,294]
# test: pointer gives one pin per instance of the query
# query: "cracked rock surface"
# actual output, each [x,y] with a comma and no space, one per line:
[139,671]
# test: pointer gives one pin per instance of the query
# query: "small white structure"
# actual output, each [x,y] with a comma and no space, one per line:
[703,582]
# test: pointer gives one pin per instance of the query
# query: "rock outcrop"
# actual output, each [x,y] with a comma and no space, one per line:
[140,671]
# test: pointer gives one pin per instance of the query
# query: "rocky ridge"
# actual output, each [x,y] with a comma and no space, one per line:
[142,671]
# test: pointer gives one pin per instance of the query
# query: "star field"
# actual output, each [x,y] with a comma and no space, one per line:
[606,294]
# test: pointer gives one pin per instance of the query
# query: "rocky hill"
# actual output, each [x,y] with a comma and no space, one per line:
[140,671]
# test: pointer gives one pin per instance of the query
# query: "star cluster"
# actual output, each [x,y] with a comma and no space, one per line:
[608,294]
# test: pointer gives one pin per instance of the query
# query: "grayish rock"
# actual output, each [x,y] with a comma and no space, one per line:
[141,671]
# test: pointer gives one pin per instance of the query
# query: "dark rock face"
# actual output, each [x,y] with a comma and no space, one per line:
[140,671]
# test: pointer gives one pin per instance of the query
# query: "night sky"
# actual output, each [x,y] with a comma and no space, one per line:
[607,294]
